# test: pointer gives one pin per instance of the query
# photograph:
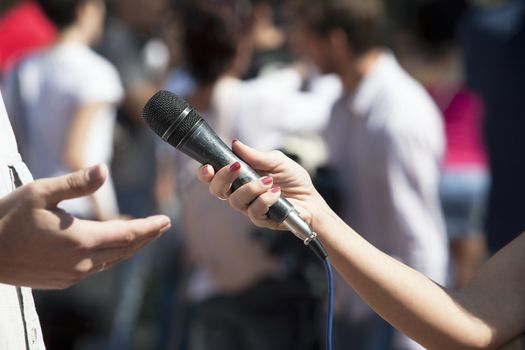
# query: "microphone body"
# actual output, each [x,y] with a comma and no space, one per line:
[183,128]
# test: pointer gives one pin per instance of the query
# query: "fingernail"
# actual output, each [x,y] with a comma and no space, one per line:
[275,189]
[205,169]
[266,181]
[235,166]
[234,141]
[95,173]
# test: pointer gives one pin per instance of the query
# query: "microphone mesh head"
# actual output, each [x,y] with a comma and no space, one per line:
[163,110]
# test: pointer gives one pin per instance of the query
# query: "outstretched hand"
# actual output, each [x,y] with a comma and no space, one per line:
[42,246]
[280,176]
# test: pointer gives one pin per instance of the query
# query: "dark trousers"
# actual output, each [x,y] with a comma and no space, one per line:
[273,315]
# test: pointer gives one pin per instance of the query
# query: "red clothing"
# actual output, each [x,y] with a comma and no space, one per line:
[23,29]
[463,115]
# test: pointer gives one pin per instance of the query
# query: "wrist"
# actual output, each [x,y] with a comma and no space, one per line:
[322,216]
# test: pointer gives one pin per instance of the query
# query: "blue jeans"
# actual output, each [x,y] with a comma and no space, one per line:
[463,195]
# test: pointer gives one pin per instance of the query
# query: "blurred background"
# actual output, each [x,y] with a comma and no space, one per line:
[76,74]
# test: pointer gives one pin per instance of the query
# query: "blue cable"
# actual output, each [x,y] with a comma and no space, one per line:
[330,311]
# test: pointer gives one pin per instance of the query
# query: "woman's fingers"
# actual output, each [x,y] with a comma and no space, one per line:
[258,209]
[119,233]
[261,161]
[206,173]
[246,194]
[221,183]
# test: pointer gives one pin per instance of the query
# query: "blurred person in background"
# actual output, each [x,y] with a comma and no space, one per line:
[62,103]
[386,142]
[23,30]
[243,295]
[436,62]
[135,42]
[493,41]
[270,41]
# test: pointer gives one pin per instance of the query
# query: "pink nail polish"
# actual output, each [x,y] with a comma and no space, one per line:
[266,180]
[235,166]
[276,189]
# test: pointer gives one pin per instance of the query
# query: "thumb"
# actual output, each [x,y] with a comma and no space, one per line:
[74,185]
[263,161]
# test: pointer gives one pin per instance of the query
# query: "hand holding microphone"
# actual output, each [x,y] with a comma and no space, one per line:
[254,198]
[177,123]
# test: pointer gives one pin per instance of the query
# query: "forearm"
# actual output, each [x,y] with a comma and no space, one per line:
[78,154]
[414,304]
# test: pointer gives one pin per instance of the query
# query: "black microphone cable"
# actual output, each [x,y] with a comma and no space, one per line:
[330,306]
[320,251]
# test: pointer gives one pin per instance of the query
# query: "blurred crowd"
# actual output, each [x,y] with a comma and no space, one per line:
[409,116]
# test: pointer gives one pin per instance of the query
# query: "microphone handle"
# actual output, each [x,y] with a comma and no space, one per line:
[203,145]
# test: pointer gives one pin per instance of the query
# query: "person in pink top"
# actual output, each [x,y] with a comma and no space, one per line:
[465,180]
[463,112]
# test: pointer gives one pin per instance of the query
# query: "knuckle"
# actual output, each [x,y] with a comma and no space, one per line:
[277,154]
[82,245]
[214,191]
[130,237]
[253,213]
[236,204]
[73,183]
[82,241]
[34,193]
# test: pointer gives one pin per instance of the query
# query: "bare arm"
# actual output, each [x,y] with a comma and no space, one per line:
[488,313]
[75,148]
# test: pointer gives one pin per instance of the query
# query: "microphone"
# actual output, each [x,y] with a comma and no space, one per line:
[180,125]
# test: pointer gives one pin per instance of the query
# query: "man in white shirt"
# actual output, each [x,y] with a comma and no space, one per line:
[33,230]
[385,143]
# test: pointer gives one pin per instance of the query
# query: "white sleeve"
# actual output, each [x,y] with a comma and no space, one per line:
[406,169]
[102,85]
[268,109]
